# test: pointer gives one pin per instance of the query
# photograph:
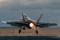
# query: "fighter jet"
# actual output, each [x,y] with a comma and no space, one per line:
[27,22]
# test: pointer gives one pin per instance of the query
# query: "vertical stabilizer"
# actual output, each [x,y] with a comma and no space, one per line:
[25,17]
[39,18]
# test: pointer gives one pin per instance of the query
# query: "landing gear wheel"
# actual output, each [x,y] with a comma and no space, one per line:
[19,31]
[36,32]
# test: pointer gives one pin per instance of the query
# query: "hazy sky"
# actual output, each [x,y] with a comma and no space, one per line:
[21,2]
[9,3]
[25,2]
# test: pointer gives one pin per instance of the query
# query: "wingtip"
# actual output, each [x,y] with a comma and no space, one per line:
[3,21]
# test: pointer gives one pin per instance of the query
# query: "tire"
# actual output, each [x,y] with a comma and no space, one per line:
[36,32]
[19,31]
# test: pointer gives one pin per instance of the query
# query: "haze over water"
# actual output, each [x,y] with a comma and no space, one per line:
[12,10]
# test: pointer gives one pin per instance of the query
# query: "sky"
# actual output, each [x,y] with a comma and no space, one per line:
[6,3]
[15,3]
[23,2]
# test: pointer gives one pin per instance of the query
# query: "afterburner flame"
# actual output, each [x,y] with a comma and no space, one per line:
[31,24]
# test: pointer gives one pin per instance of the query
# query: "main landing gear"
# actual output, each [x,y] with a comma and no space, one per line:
[19,31]
[36,31]
[21,28]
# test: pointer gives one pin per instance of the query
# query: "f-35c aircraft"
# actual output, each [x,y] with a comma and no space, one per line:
[27,22]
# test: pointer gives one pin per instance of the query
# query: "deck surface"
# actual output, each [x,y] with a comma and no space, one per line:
[30,32]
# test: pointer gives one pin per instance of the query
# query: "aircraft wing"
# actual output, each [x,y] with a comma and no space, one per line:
[41,24]
[14,23]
